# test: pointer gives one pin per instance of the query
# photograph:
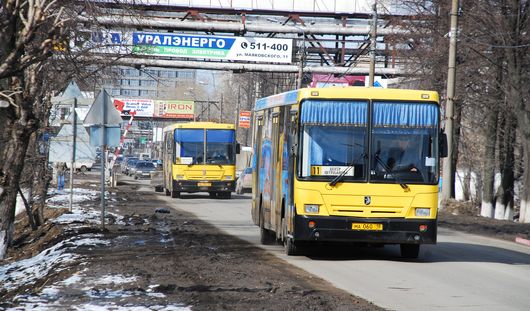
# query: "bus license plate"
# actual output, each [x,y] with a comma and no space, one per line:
[204,184]
[366,226]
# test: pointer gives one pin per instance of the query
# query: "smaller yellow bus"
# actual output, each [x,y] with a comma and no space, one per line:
[200,157]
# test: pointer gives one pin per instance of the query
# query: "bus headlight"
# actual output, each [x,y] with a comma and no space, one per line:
[228,177]
[180,177]
[311,208]
[423,212]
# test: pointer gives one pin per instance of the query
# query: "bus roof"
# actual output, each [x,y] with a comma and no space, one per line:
[200,125]
[345,92]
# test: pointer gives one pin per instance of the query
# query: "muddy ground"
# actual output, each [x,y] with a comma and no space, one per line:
[162,261]
[147,260]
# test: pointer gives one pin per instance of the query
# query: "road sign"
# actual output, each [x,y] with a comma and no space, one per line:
[244,119]
[102,111]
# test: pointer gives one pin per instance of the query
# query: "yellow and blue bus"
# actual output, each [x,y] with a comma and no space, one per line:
[347,164]
[200,157]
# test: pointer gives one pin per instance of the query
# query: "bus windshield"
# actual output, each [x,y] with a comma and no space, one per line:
[190,145]
[333,140]
[220,147]
[404,143]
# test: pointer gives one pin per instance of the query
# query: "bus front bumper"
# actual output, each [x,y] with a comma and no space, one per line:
[204,186]
[355,230]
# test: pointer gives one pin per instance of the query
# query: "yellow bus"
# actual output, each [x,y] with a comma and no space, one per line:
[200,157]
[347,164]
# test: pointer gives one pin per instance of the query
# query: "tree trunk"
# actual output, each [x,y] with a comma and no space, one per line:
[488,175]
[505,197]
[457,125]
[14,154]
[524,213]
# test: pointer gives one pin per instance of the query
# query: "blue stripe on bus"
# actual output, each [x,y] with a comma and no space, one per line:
[189,135]
[220,136]
[405,114]
[334,112]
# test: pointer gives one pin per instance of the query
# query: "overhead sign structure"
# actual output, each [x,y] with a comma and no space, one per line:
[253,49]
[142,107]
[244,119]
[175,109]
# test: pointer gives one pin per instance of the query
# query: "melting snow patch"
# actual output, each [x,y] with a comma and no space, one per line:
[116,279]
[62,198]
[53,259]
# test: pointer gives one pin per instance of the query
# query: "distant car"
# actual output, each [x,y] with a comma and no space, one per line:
[131,162]
[81,166]
[157,163]
[244,182]
[143,169]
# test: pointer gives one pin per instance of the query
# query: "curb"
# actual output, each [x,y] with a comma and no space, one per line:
[522,241]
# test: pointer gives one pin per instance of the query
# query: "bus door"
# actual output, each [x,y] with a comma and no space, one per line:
[289,164]
[276,168]
[256,164]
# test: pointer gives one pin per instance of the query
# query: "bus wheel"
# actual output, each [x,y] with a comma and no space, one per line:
[410,251]
[291,249]
[175,194]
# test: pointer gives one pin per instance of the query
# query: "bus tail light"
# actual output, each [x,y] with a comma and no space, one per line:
[311,208]
[423,228]
[311,224]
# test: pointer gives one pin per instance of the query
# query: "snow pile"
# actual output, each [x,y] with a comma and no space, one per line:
[53,259]
[62,198]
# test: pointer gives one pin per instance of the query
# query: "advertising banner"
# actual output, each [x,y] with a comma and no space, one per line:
[139,107]
[254,49]
[175,109]
[244,119]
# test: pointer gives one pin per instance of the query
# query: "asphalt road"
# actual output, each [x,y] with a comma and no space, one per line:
[461,272]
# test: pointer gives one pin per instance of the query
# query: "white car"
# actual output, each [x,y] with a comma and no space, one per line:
[81,166]
[244,182]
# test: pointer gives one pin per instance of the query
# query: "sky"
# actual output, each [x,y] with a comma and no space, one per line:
[357,6]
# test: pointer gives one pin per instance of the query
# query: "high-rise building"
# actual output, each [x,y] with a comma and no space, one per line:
[148,82]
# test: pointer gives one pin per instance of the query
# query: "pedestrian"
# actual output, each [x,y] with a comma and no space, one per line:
[60,169]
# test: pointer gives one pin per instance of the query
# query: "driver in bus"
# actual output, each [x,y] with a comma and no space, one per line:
[404,157]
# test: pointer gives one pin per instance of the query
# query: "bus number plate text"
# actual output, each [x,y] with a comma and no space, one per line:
[204,184]
[366,226]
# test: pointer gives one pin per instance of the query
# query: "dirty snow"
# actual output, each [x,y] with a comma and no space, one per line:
[56,258]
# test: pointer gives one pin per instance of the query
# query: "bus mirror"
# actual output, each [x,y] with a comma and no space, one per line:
[238,148]
[443,145]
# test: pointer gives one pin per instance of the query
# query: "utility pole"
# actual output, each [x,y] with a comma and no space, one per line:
[72,164]
[103,158]
[301,62]
[373,42]
[448,181]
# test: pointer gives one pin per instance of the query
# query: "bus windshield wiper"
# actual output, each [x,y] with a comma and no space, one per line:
[343,173]
[388,170]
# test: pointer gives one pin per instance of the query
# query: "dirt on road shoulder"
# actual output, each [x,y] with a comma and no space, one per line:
[163,261]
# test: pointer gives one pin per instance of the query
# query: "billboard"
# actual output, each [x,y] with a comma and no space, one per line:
[244,119]
[139,107]
[175,109]
[254,49]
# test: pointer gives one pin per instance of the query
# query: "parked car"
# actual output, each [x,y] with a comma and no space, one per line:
[143,169]
[81,166]
[131,162]
[244,182]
